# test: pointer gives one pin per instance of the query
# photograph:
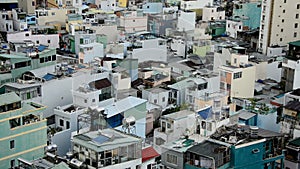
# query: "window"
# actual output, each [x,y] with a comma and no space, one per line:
[295,34]
[85,100]
[298,6]
[163,99]
[280,39]
[155,101]
[283,11]
[49,41]
[67,124]
[42,60]
[172,159]
[296,25]
[53,13]
[133,20]
[297,16]
[93,100]
[27,34]
[228,25]
[281,30]
[53,57]
[61,122]
[202,86]
[235,60]
[240,27]
[12,144]
[282,20]
[284,1]
[237,75]
[12,163]
[81,40]
[14,122]
[37,42]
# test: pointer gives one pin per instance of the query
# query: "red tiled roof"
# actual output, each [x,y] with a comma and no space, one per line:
[149,153]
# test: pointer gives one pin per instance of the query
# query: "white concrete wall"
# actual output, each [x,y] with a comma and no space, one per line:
[109,30]
[244,87]
[53,96]
[54,14]
[89,55]
[273,71]
[268,122]
[133,23]
[156,96]
[186,21]
[221,58]
[232,27]
[129,164]
[42,38]
[108,5]
[179,46]
[145,163]
[211,14]
[198,4]
[151,51]
[62,140]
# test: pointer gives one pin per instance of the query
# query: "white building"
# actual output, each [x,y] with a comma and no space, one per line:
[186,20]
[157,96]
[291,74]
[66,120]
[211,13]
[195,4]
[172,127]
[87,52]
[108,148]
[150,49]
[51,40]
[133,21]
[279,23]
[45,16]
[6,22]
[19,19]
[107,5]
[233,27]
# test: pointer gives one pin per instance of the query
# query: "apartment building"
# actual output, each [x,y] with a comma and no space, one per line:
[133,21]
[23,130]
[279,23]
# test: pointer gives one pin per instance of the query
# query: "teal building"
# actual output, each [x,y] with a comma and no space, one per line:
[216,29]
[238,147]
[248,13]
[23,130]
[15,64]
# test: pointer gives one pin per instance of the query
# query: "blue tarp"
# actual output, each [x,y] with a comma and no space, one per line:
[115,120]
[48,77]
[205,113]
[41,48]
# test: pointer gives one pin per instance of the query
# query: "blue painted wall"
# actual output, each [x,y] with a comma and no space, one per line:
[251,11]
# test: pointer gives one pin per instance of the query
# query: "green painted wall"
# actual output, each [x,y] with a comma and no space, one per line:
[29,139]
[138,112]
[201,50]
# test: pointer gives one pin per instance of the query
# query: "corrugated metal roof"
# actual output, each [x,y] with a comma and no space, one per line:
[295,43]
[245,115]
[9,98]
[123,105]
[149,153]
